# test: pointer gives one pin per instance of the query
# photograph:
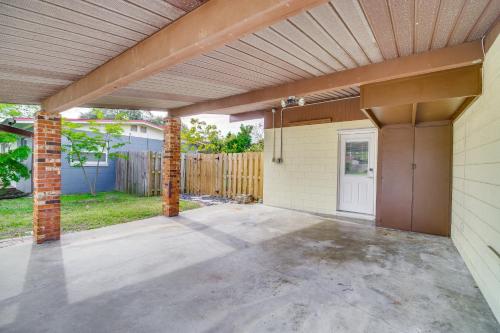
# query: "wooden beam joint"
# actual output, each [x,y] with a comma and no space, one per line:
[370,115]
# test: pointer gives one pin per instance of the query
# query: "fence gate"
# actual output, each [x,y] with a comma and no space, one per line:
[139,173]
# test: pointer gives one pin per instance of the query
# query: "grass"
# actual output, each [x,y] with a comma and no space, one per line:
[82,212]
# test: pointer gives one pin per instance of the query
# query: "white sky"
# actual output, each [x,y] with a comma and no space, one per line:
[222,121]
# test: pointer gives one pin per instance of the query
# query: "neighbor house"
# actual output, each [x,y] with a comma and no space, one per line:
[138,135]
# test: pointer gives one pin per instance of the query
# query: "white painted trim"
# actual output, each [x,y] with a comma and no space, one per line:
[355,215]
[357,130]
[370,130]
[90,163]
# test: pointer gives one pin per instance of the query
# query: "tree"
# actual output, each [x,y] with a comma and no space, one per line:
[11,167]
[200,137]
[257,138]
[124,114]
[240,142]
[17,110]
[102,139]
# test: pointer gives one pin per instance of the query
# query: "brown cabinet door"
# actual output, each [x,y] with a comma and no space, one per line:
[395,177]
[432,174]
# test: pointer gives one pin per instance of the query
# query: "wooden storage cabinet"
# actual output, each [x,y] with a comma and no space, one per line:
[414,191]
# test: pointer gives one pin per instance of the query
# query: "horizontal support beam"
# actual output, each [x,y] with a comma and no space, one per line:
[458,82]
[309,122]
[213,24]
[428,62]
[15,130]
[250,115]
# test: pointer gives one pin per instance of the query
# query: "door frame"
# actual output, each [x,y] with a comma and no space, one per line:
[369,130]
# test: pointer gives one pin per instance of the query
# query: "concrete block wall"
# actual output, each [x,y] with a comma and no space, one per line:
[475,227]
[307,179]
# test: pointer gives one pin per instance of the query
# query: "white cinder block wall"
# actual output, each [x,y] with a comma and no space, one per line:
[476,183]
[307,179]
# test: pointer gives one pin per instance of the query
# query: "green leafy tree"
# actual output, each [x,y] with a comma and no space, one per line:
[240,142]
[124,114]
[17,110]
[12,168]
[200,137]
[103,139]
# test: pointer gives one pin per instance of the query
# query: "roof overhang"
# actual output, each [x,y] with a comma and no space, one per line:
[226,56]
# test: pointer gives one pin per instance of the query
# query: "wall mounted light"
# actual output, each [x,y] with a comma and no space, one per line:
[292,101]
[285,103]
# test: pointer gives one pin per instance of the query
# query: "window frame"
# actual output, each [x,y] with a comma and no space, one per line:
[90,163]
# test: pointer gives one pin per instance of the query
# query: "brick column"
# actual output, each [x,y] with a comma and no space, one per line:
[171,166]
[46,177]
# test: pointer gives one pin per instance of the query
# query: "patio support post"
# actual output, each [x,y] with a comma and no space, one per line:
[171,166]
[46,177]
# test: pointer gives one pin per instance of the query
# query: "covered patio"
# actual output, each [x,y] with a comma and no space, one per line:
[382,110]
[247,268]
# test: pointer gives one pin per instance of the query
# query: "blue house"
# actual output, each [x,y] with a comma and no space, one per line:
[139,135]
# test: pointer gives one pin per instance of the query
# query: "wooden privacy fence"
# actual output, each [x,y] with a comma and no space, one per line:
[139,174]
[224,175]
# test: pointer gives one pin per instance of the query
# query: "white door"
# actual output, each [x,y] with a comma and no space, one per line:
[357,172]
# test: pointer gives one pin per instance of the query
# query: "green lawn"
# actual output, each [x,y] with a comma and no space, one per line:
[82,211]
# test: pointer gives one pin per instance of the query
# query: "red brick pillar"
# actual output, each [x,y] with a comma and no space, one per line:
[46,177]
[171,166]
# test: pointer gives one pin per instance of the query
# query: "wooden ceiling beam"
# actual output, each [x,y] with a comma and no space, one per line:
[461,109]
[15,130]
[458,82]
[414,114]
[250,115]
[370,115]
[428,62]
[211,25]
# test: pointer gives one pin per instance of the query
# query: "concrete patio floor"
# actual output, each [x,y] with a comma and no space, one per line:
[235,268]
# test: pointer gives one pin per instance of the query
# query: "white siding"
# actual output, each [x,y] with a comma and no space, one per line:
[307,179]
[476,183]
[151,132]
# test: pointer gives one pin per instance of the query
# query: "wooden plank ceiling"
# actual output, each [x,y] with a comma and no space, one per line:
[46,45]
[49,44]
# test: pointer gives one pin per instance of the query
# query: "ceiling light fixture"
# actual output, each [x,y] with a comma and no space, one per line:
[292,101]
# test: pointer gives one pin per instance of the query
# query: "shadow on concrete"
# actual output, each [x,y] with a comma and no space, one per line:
[290,283]
[220,236]
[40,294]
